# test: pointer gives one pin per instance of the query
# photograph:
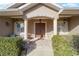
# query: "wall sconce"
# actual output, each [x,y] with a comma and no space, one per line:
[7,23]
[64,21]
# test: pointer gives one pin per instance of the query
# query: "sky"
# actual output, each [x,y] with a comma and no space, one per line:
[70,5]
[5,6]
[65,5]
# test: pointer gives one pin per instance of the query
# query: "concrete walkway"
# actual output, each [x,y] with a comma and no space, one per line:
[42,47]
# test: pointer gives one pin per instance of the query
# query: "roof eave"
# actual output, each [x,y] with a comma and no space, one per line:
[10,12]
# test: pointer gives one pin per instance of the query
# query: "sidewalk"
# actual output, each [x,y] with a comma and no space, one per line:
[40,48]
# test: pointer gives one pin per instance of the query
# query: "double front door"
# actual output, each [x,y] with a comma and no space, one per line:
[39,29]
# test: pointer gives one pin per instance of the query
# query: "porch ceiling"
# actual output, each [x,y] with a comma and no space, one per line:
[40,17]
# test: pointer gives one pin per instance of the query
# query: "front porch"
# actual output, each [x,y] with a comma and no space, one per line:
[34,27]
[41,27]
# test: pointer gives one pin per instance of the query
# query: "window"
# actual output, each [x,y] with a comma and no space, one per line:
[18,27]
[62,26]
[22,27]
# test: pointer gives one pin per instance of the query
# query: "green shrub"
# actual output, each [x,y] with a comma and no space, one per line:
[10,46]
[62,46]
[76,43]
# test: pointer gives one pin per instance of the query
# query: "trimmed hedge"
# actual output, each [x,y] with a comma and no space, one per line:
[62,46]
[10,46]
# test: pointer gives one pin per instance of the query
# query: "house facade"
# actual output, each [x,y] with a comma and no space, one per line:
[38,19]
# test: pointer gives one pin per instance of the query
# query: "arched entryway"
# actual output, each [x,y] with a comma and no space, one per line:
[43,10]
[40,26]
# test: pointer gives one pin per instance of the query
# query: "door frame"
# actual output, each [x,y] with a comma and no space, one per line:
[45,27]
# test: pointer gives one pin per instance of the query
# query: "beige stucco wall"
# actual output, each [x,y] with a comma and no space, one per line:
[74,25]
[5,29]
[49,27]
[40,10]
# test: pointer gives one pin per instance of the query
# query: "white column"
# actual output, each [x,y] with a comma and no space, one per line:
[55,25]
[25,29]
